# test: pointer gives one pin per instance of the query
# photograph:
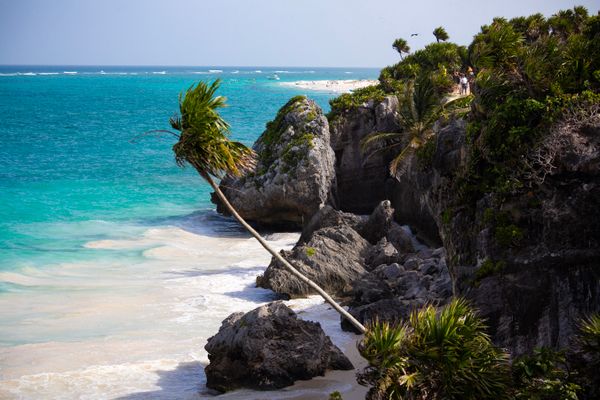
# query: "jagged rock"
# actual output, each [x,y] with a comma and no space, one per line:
[379,222]
[333,258]
[361,180]
[527,259]
[295,170]
[400,238]
[269,348]
[328,217]
[382,253]
[391,292]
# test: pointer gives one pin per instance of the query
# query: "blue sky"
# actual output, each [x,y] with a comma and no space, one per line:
[348,33]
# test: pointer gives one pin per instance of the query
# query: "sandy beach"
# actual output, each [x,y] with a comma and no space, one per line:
[335,86]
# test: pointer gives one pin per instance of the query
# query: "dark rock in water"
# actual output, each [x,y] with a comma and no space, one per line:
[360,179]
[269,348]
[295,171]
[390,292]
[333,258]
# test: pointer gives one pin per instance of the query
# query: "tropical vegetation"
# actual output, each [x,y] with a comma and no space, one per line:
[446,354]
[436,354]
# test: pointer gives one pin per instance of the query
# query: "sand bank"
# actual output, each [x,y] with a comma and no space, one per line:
[337,86]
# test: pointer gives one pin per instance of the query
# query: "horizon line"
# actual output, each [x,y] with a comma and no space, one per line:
[182,65]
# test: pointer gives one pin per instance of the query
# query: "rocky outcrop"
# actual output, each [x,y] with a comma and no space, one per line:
[269,348]
[295,170]
[360,179]
[333,251]
[531,260]
[404,283]
[527,259]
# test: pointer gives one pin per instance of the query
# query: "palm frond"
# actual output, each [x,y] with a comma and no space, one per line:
[204,142]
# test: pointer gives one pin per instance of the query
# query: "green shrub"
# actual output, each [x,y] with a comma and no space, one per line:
[543,376]
[435,355]
[351,101]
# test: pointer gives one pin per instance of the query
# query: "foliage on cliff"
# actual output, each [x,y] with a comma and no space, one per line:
[447,354]
[530,71]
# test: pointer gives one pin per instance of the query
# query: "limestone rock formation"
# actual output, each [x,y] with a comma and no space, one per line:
[295,170]
[269,348]
[360,179]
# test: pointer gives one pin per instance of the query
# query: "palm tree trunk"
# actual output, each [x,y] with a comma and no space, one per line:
[282,260]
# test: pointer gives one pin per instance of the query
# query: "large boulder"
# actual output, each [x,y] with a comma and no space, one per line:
[361,179]
[295,171]
[333,258]
[269,348]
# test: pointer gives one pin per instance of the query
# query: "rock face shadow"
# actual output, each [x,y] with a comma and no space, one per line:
[186,382]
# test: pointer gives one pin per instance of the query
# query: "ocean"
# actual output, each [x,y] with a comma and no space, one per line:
[114,267]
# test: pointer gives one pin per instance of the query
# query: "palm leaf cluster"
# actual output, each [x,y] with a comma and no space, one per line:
[203,139]
[420,108]
[434,355]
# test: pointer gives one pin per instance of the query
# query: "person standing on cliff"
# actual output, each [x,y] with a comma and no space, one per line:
[464,84]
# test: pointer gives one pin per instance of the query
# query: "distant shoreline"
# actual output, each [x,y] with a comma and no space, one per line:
[337,86]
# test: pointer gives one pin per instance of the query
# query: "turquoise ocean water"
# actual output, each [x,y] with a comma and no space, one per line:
[88,217]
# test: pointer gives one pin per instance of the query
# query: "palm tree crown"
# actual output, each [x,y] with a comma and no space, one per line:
[440,34]
[203,141]
[401,46]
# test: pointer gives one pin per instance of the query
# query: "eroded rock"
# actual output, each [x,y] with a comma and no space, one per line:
[295,170]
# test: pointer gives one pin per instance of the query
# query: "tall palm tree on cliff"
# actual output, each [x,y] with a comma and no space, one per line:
[440,34]
[204,144]
[401,46]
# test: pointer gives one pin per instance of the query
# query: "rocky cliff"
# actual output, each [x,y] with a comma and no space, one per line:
[529,259]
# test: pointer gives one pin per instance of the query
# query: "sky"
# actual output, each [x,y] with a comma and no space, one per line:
[318,33]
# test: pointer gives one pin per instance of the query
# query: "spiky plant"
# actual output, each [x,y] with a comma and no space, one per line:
[204,144]
[443,354]
[587,356]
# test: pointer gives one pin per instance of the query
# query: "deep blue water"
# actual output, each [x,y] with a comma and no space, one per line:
[69,171]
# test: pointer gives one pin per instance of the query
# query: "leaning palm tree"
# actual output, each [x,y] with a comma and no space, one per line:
[204,144]
[401,46]
[419,109]
[440,34]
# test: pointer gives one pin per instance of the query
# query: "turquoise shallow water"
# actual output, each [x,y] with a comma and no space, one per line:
[114,267]
[66,158]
